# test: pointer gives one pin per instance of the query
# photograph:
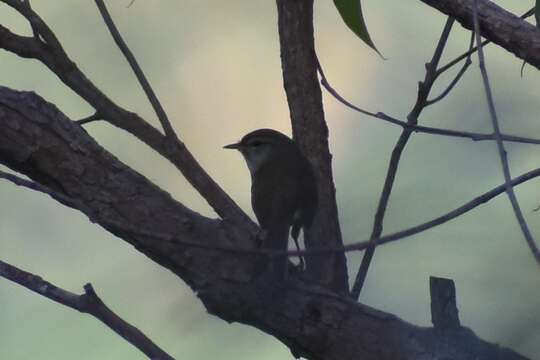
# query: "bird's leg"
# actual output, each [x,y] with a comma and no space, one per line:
[301,258]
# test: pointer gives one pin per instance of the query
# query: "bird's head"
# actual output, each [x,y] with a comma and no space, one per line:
[262,145]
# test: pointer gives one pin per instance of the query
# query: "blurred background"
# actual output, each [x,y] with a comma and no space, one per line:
[215,66]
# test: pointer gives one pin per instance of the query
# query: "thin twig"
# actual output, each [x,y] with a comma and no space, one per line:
[458,76]
[88,303]
[19,181]
[56,59]
[455,61]
[500,145]
[421,102]
[356,246]
[419,128]
[95,116]
[161,114]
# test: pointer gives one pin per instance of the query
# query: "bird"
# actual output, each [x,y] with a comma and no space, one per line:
[283,189]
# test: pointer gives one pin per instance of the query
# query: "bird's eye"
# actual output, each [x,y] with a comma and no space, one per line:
[256,143]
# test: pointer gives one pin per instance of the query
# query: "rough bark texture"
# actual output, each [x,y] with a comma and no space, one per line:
[55,58]
[41,142]
[295,21]
[496,24]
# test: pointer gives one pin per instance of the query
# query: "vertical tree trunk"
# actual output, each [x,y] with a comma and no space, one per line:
[295,21]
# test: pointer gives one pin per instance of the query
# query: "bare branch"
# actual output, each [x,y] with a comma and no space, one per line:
[458,76]
[42,143]
[55,58]
[419,128]
[39,28]
[498,25]
[467,54]
[355,246]
[95,116]
[150,94]
[19,181]
[88,303]
[500,145]
[124,227]
[421,102]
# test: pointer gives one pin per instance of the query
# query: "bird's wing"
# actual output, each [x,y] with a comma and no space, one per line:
[274,200]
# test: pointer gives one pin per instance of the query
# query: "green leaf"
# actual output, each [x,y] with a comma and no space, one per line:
[351,13]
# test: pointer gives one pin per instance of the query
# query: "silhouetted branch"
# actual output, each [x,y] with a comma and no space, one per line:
[424,89]
[355,246]
[56,59]
[19,181]
[500,145]
[94,117]
[467,54]
[497,25]
[43,144]
[458,76]
[88,303]
[419,128]
[150,94]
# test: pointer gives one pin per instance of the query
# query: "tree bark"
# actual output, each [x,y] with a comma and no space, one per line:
[295,23]
[496,24]
[41,142]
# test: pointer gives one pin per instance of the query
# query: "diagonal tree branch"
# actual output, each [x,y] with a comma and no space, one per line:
[150,94]
[456,79]
[424,89]
[88,303]
[500,145]
[52,55]
[419,128]
[42,143]
[471,51]
[355,246]
[497,25]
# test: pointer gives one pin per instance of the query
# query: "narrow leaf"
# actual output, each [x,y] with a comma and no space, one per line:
[351,13]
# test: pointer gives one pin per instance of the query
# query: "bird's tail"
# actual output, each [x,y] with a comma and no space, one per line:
[277,239]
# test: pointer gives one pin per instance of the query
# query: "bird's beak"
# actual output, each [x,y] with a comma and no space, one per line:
[233,146]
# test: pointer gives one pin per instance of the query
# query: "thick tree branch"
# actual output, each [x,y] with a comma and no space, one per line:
[88,303]
[52,55]
[471,51]
[39,141]
[496,24]
[295,22]
[125,228]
